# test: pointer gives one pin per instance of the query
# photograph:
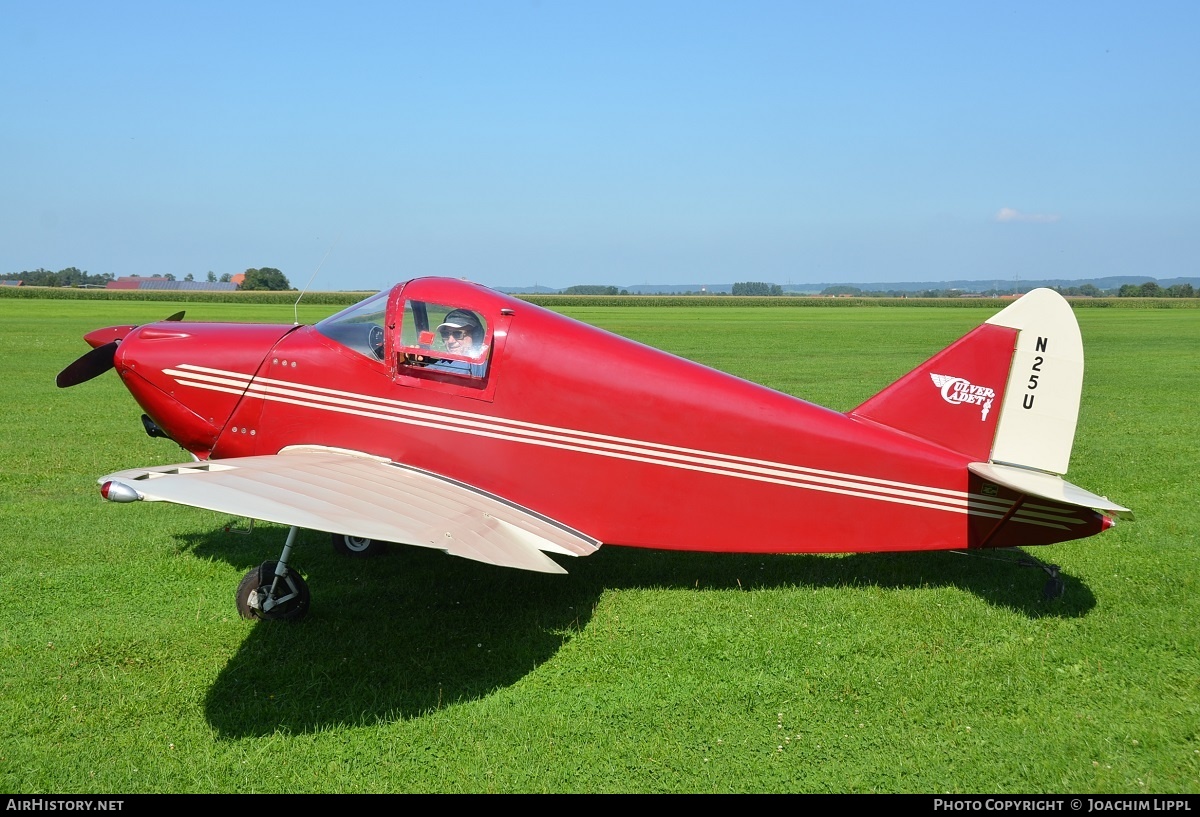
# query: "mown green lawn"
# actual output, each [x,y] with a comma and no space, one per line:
[124,667]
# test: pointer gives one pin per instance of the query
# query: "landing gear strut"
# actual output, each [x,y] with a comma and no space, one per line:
[1054,587]
[273,591]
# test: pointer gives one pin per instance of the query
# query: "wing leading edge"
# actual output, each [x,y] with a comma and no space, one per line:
[361,495]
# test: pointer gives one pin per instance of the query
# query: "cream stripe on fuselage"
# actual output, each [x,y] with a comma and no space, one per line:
[343,402]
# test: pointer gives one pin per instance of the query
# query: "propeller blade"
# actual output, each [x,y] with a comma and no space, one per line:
[178,316]
[93,364]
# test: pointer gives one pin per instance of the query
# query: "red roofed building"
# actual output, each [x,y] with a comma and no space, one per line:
[159,282]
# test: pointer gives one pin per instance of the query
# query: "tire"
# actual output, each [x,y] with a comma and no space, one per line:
[259,581]
[357,547]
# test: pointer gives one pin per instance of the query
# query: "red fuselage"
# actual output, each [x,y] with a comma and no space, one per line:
[628,444]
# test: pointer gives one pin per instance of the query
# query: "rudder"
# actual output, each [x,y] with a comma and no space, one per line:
[1041,402]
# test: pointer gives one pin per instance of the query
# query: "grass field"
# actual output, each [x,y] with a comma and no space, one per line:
[125,669]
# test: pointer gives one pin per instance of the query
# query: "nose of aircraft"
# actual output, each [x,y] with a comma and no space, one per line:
[187,377]
[100,359]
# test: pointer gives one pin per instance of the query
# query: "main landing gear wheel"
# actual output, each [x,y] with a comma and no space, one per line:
[264,595]
[357,547]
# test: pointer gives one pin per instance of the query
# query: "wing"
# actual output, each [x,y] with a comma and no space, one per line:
[360,495]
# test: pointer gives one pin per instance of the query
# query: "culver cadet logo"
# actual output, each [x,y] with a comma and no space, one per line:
[959,390]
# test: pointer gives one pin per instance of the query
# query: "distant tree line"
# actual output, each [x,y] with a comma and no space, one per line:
[756,288]
[594,289]
[69,277]
[1151,289]
[264,278]
[270,278]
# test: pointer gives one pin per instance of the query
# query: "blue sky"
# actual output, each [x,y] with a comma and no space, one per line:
[604,142]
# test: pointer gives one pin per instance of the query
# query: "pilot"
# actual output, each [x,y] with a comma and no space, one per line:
[461,333]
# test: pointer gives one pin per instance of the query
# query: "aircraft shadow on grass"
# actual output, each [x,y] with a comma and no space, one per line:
[410,632]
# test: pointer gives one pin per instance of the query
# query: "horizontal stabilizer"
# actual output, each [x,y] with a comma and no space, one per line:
[360,495]
[1046,486]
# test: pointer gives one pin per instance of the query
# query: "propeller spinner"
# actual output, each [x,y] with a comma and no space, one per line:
[100,359]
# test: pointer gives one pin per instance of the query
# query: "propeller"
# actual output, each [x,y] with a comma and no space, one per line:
[100,359]
[93,364]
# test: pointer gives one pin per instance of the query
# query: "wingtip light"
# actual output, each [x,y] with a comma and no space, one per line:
[115,491]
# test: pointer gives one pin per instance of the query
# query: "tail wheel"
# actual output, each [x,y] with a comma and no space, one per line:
[255,599]
[357,546]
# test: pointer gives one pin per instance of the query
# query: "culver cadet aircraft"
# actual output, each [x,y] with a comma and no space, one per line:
[443,414]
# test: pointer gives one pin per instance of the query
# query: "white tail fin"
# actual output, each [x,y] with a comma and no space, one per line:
[1037,420]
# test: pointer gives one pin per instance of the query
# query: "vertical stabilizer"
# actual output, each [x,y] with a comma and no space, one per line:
[952,399]
[1007,392]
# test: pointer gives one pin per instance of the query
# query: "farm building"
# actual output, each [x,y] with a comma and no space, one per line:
[137,282]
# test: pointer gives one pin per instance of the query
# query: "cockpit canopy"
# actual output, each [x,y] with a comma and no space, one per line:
[360,327]
[427,337]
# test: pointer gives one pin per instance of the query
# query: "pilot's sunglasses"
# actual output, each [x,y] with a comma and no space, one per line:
[457,334]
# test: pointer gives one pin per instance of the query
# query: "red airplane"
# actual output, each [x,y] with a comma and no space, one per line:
[444,414]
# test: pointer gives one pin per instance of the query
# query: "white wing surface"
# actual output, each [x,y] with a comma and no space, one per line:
[361,495]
